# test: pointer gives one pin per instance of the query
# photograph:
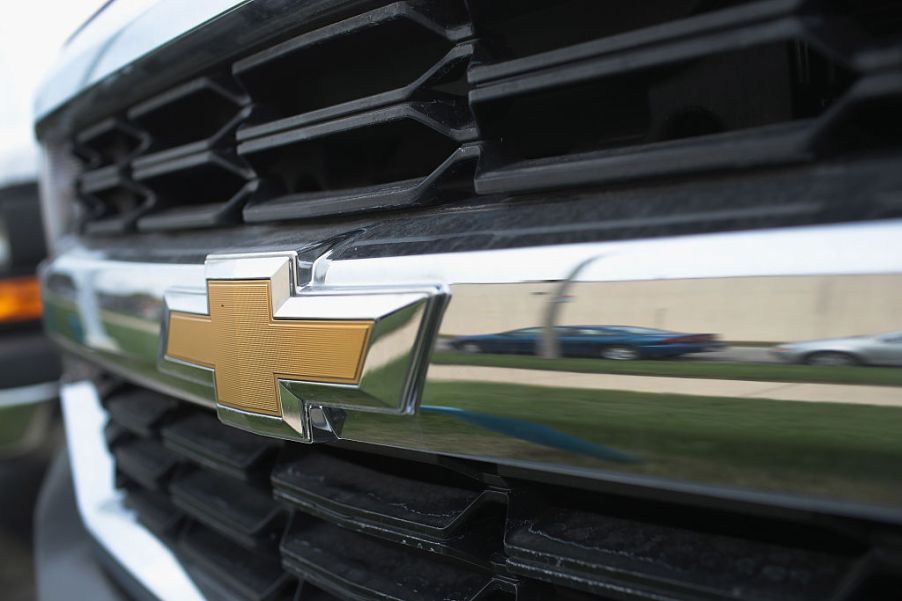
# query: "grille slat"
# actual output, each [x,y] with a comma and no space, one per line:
[200,115]
[776,145]
[322,523]
[402,152]
[420,103]
[359,567]
[200,438]
[199,190]
[580,123]
[584,29]
[341,67]
[425,509]
[248,516]
[156,512]
[140,411]
[448,180]
[112,141]
[146,462]
[113,201]
[594,550]
[230,570]
[308,592]
[409,502]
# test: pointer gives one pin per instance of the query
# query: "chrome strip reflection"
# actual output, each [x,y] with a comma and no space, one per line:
[835,249]
[734,413]
[27,395]
[101,506]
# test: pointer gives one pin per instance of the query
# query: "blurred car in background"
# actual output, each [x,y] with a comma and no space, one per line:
[620,343]
[31,35]
[881,349]
[29,365]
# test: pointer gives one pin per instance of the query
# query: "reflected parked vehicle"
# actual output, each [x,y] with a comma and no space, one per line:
[29,364]
[622,343]
[882,349]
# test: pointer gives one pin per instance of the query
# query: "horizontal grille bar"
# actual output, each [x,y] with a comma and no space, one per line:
[200,438]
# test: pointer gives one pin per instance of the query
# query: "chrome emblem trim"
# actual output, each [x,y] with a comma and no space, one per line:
[348,348]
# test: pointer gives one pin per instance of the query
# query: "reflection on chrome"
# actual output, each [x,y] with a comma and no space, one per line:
[881,349]
[623,343]
[677,360]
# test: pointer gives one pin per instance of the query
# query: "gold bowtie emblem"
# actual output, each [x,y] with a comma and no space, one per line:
[249,350]
[275,351]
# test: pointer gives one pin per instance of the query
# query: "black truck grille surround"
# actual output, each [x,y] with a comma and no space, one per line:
[419,103]
[258,519]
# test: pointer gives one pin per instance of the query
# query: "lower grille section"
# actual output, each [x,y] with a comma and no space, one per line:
[263,520]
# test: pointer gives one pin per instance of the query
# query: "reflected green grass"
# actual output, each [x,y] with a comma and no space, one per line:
[765,372]
[803,447]
[849,452]
[752,429]
[134,342]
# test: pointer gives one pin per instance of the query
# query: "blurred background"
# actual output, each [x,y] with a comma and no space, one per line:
[31,35]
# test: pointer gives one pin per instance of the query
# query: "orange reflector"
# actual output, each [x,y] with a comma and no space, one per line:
[20,299]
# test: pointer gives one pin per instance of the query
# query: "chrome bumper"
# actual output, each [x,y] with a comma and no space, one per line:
[800,438]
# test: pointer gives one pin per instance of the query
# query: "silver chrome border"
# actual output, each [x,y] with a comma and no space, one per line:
[565,427]
[380,390]
[101,506]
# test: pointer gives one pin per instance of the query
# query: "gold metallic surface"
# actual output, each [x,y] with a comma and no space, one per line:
[249,350]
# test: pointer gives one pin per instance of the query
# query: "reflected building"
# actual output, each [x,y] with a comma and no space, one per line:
[744,309]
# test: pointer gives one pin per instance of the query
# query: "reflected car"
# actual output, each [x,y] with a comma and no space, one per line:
[882,349]
[621,343]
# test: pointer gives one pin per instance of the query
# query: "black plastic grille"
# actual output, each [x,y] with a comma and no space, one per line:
[259,519]
[426,102]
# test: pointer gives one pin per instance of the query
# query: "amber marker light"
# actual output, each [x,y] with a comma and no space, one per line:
[20,299]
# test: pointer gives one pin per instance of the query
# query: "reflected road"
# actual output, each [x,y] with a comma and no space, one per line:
[749,354]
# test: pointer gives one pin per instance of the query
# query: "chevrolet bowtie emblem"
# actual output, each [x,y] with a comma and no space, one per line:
[276,349]
[248,349]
